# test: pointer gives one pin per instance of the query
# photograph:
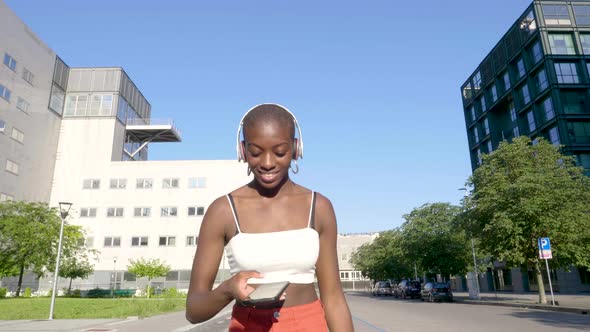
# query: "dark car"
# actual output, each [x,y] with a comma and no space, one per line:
[381,288]
[407,288]
[434,291]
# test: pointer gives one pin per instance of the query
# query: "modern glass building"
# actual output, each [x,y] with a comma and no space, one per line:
[534,82]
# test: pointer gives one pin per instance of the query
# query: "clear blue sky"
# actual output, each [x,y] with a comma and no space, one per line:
[374,84]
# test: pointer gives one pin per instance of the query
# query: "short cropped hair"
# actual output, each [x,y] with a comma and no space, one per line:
[269,113]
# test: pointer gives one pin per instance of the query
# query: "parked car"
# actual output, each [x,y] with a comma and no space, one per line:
[407,288]
[382,288]
[434,291]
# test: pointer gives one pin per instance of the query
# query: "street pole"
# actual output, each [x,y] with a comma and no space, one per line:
[415,272]
[475,269]
[63,214]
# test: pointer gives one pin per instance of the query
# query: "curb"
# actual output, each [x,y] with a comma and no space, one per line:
[581,311]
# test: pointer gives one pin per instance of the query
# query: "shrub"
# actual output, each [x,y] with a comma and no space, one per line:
[75,293]
[171,293]
[27,292]
[3,292]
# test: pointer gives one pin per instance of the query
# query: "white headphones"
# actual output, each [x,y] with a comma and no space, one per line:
[298,143]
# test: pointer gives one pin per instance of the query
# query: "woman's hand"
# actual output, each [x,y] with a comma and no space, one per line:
[237,285]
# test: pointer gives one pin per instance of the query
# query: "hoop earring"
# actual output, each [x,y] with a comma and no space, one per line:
[296,169]
[249,171]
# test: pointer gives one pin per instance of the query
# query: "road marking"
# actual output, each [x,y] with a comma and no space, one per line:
[191,326]
[368,324]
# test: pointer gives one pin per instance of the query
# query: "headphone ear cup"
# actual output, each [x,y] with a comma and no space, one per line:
[243,151]
[295,148]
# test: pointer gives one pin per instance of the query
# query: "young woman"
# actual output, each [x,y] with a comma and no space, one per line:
[272,230]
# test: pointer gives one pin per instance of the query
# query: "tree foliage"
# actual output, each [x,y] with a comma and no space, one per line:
[381,259]
[433,241]
[150,268]
[29,236]
[75,267]
[525,190]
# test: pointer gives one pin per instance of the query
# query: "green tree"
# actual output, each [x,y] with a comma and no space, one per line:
[432,240]
[525,190]
[381,259]
[75,267]
[150,268]
[29,238]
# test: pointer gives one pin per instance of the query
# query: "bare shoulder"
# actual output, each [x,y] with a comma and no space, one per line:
[218,216]
[325,215]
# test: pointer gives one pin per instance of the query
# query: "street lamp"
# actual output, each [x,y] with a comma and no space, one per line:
[64,210]
[114,279]
[476,295]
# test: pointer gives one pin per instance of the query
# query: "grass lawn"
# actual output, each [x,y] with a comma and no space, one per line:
[68,308]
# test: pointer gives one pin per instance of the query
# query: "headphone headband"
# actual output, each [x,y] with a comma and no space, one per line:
[241,153]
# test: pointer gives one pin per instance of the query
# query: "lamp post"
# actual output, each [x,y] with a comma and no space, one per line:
[64,210]
[114,279]
[476,295]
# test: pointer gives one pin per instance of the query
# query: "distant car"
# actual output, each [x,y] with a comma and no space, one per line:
[407,288]
[382,288]
[434,291]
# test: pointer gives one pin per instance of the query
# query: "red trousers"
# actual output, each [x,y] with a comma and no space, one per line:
[305,318]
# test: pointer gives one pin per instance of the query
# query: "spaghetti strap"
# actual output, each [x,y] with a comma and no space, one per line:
[233,211]
[311,222]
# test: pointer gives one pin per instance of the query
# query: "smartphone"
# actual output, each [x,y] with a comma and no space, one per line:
[264,293]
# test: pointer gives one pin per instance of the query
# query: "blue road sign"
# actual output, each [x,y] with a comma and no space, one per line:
[544,244]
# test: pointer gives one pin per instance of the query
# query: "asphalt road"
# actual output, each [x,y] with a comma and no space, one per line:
[377,314]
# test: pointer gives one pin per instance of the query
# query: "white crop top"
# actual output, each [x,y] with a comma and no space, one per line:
[281,256]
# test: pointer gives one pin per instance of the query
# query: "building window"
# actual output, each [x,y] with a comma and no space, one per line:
[566,73]
[528,23]
[531,121]
[112,241]
[585,38]
[91,184]
[101,105]
[513,117]
[76,105]
[191,241]
[486,126]
[494,93]
[554,136]
[579,132]
[541,81]
[525,94]
[584,161]
[582,14]
[168,211]
[139,241]
[479,157]
[22,104]
[475,135]
[9,62]
[5,197]
[17,135]
[196,211]
[482,101]
[199,182]
[561,43]
[167,241]
[88,242]
[4,93]
[521,68]
[548,109]
[142,211]
[115,212]
[118,184]
[57,99]
[28,76]
[2,126]
[506,79]
[87,212]
[489,145]
[477,81]
[467,91]
[170,183]
[144,183]
[472,111]
[12,167]
[574,102]
[537,52]
[556,15]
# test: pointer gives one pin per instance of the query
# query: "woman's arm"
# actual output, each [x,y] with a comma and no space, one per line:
[337,312]
[202,302]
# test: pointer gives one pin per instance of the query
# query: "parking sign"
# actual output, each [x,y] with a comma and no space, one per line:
[544,248]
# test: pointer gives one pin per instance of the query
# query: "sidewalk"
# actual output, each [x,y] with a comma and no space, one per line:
[575,303]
